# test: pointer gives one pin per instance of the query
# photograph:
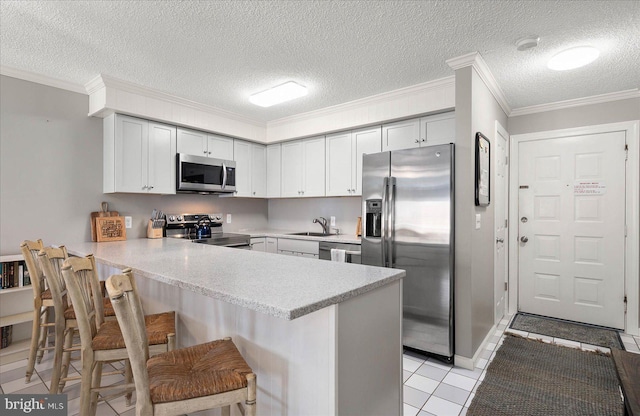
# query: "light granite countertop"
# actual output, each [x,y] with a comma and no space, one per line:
[286,287]
[334,238]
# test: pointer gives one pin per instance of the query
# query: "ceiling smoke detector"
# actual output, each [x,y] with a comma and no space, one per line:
[527,43]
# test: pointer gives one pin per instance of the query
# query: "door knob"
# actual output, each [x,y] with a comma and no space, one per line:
[524,239]
[499,240]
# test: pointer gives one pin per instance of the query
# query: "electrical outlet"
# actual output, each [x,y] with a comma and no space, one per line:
[333,221]
[128,222]
[478,221]
[228,218]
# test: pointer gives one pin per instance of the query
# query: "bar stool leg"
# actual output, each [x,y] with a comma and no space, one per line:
[35,341]
[250,404]
[95,384]
[128,378]
[57,358]
[44,332]
[66,357]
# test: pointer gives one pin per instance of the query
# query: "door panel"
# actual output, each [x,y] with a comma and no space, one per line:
[162,158]
[500,197]
[572,215]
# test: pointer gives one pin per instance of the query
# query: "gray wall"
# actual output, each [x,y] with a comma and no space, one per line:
[476,110]
[587,115]
[51,173]
[298,214]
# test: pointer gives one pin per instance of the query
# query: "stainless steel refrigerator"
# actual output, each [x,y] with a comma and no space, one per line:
[408,212]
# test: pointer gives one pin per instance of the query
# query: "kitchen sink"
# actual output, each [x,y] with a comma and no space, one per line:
[311,234]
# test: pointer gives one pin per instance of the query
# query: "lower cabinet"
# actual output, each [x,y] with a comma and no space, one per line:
[258,244]
[301,248]
[272,245]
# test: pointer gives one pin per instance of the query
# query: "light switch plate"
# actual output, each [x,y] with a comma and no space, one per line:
[333,221]
[128,222]
[228,218]
[477,221]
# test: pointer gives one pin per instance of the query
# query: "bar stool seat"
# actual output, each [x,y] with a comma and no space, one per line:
[69,313]
[46,294]
[158,326]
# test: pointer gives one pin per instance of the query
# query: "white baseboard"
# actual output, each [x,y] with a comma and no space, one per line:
[470,363]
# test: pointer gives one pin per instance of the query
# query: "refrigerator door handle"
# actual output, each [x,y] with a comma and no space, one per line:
[391,212]
[383,222]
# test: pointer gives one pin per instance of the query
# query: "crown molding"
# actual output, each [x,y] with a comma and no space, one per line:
[475,60]
[41,79]
[577,102]
[106,81]
[371,100]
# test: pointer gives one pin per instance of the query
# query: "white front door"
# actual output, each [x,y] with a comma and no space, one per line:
[571,228]
[500,214]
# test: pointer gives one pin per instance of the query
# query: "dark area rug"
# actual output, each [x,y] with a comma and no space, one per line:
[557,328]
[530,377]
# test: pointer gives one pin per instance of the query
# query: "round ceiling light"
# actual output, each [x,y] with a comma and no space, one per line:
[573,58]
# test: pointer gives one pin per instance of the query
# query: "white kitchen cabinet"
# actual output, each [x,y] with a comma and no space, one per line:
[258,244]
[272,245]
[220,147]
[401,135]
[300,248]
[139,156]
[425,131]
[251,169]
[303,167]
[344,159]
[438,129]
[199,143]
[274,161]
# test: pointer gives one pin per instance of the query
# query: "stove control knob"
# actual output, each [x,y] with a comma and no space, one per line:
[218,217]
[179,217]
[172,218]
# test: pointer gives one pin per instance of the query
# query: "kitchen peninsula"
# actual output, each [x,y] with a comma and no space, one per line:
[324,338]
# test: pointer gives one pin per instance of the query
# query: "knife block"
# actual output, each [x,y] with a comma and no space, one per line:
[153,232]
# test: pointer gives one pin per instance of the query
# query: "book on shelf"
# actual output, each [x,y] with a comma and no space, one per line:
[14,274]
[7,334]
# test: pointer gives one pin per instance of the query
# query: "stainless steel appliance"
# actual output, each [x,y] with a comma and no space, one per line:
[408,207]
[205,174]
[186,226]
[352,251]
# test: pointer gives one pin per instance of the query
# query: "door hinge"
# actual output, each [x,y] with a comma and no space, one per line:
[626,152]
[506,286]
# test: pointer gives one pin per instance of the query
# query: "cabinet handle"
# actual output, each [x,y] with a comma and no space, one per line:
[254,192]
[208,153]
[417,141]
[145,187]
[205,152]
[150,187]
[424,140]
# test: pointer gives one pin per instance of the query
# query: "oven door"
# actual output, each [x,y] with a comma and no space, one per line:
[205,174]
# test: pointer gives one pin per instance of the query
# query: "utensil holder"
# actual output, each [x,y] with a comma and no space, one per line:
[153,232]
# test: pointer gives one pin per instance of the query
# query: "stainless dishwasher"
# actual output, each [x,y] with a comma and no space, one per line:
[353,254]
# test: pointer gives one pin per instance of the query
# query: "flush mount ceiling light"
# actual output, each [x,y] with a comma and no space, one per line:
[279,94]
[573,58]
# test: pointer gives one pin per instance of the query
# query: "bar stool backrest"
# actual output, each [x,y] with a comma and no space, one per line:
[82,283]
[30,250]
[51,260]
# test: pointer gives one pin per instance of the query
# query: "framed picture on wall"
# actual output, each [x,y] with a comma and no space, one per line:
[483,168]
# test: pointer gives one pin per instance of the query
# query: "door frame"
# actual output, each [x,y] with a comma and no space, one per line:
[632,211]
[500,130]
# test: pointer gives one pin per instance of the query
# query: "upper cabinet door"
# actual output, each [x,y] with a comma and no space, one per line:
[220,147]
[438,129]
[242,151]
[258,170]
[162,159]
[274,167]
[313,166]
[401,135]
[339,154]
[131,150]
[192,142]
[291,174]
[365,141]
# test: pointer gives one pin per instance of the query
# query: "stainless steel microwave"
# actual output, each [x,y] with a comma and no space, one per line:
[205,174]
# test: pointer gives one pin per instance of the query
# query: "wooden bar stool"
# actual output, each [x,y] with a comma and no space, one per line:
[186,380]
[42,303]
[102,341]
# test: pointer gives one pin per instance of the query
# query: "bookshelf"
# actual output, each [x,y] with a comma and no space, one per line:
[16,308]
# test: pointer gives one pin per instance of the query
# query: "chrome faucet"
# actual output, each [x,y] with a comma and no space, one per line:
[323,223]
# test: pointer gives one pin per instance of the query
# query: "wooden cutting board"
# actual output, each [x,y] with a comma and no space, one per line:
[98,214]
[110,229]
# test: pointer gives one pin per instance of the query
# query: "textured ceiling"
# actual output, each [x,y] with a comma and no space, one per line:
[220,52]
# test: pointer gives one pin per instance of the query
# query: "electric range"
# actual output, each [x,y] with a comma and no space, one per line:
[185,226]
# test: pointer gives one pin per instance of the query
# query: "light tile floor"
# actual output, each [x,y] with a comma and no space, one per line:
[430,386]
